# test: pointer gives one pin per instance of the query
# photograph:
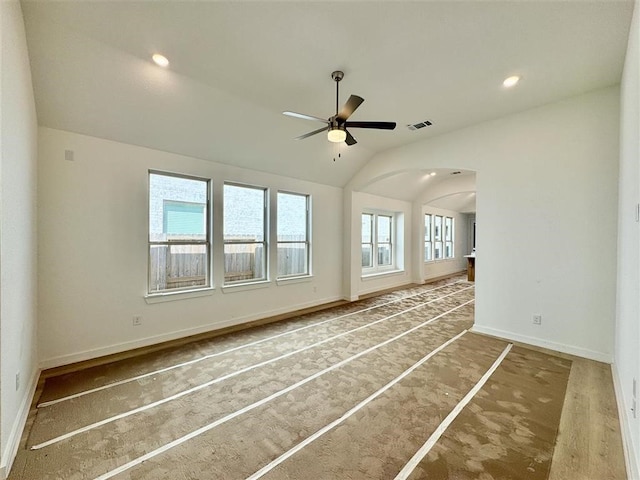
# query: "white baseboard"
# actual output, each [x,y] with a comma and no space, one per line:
[538,342]
[13,442]
[175,335]
[630,460]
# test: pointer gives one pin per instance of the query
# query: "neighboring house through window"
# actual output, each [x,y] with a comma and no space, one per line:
[179,243]
[245,225]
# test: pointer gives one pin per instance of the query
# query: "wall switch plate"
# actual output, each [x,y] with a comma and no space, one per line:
[137,320]
[537,319]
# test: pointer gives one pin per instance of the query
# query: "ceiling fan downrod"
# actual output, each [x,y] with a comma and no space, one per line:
[336,77]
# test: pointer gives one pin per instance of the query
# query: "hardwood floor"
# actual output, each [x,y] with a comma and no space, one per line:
[589,444]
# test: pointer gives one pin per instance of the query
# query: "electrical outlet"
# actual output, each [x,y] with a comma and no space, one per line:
[17,381]
[137,320]
[537,319]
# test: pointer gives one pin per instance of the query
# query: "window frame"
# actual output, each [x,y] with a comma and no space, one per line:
[370,244]
[428,237]
[443,236]
[449,237]
[169,243]
[376,267]
[307,240]
[390,243]
[264,242]
[438,245]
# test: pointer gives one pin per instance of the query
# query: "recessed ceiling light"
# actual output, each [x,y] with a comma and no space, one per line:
[160,60]
[511,81]
[433,174]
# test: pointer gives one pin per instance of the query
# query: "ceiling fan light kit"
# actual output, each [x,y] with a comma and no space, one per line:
[336,135]
[336,126]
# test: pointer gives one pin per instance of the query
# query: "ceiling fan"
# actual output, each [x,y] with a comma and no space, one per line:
[336,126]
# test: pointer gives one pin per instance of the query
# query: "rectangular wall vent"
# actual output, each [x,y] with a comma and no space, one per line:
[418,126]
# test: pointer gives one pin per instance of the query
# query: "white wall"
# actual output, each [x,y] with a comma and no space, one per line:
[439,268]
[355,283]
[627,352]
[547,218]
[93,250]
[18,248]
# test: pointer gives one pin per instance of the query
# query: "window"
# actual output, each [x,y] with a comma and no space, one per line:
[384,239]
[448,237]
[377,236]
[439,237]
[293,235]
[245,246]
[367,240]
[428,239]
[179,243]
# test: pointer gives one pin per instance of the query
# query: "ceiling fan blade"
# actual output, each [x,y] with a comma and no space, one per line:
[305,117]
[350,140]
[378,125]
[323,129]
[350,107]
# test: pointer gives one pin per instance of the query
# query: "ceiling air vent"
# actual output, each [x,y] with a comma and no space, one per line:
[418,126]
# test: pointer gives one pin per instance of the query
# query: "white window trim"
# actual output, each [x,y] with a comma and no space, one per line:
[265,235]
[376,269]
[290,280]
[453,238]
[433,241]
[424,240]
[309,273]
[185,292]
[242,285]
[171,296]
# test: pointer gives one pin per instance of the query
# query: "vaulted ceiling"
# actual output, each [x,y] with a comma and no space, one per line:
[236,66]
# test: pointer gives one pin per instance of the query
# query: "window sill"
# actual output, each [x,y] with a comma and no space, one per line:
[241,287]
[292,280]
[440,260]
[373,276]
[180,295]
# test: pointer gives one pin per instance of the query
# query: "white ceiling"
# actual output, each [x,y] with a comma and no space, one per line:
[235,66]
